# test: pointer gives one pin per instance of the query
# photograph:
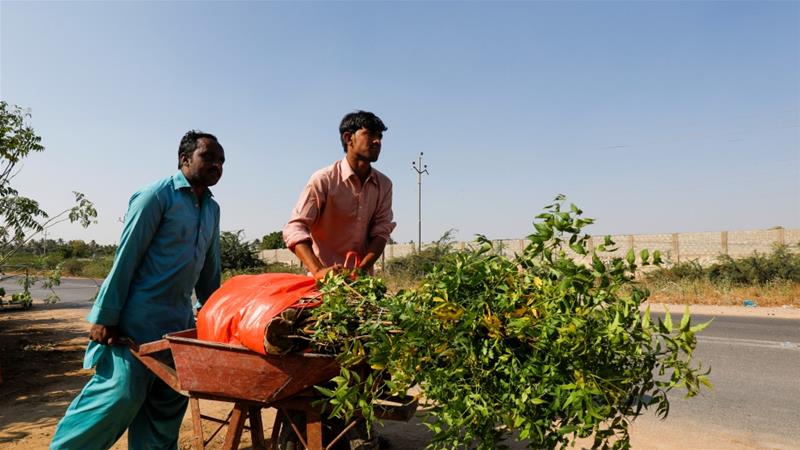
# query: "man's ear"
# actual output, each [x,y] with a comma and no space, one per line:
[346,137]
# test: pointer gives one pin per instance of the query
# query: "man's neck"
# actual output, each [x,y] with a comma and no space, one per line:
[362,168]
[198,190]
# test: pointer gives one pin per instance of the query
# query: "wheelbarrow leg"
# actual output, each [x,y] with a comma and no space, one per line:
[314,430]
[276,429]
[234,434]
[285,423]
[197,424]
[256,428]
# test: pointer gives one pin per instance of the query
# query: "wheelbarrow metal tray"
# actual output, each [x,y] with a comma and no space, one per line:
[232,371]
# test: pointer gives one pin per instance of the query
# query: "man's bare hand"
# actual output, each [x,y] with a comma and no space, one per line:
[106,335]
[320,274]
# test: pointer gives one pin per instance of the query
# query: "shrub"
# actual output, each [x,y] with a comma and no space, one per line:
[236,253]
[540,344]
[756,269]
[98,267]
[272,241]
[417,264]
[73,267]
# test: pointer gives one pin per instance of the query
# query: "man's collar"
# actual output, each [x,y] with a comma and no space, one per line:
[179,182]
[348,172]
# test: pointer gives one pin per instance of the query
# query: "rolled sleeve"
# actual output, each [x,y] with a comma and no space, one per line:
[141,223]
[304,214]
[383,221]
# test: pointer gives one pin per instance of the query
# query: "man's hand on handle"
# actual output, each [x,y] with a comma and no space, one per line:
[104,334]
[314,266]
[320,274]
[374,251]
[352,264]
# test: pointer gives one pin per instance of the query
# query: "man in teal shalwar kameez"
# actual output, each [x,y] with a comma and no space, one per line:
[169,247]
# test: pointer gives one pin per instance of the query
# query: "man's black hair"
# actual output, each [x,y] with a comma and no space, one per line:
[357,120]
[189,143]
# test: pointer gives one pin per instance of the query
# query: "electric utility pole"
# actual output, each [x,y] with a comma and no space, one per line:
[420,169]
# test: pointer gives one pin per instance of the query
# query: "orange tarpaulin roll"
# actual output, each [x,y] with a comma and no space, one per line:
[238,312]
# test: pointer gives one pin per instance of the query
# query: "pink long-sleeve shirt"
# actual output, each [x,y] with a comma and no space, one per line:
[339,214]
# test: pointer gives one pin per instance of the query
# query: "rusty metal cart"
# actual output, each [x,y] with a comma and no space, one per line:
[252,381]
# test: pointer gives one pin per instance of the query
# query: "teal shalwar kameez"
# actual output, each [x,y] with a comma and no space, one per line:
[169,247]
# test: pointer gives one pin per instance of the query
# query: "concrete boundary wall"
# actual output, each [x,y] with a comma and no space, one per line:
[675,247]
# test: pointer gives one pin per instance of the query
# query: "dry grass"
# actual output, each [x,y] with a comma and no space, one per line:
[704,292]
[397,281]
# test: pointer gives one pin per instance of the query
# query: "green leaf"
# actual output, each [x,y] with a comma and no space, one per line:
[657,257]
[630,257]
[324,391]
[597,264]
[700,327]
[578,248]
[567,429]
[685,320]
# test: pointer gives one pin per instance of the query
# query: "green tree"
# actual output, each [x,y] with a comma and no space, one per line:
[79,249]
[272,241]
[235,252]
[21,218]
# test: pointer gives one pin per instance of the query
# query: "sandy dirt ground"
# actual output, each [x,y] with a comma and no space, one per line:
[41,352]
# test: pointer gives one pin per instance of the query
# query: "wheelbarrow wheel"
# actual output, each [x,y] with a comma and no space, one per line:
[287,439]
[354,440]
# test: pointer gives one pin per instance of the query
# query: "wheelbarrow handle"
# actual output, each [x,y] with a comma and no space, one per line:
[351,260]
[129,342]
[351,263]
[148,348]
[145,354]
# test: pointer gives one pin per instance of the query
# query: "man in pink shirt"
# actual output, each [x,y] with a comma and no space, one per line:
[346,206]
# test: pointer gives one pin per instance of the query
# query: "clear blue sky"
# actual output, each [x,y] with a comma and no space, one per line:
[651,116]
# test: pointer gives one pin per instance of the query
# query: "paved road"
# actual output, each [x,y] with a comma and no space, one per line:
[72,291]
[755,365]
[755,370]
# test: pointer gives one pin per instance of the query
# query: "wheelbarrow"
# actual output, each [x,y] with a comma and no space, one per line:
[252,381]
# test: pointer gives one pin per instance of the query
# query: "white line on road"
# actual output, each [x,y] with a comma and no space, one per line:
[749,342]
